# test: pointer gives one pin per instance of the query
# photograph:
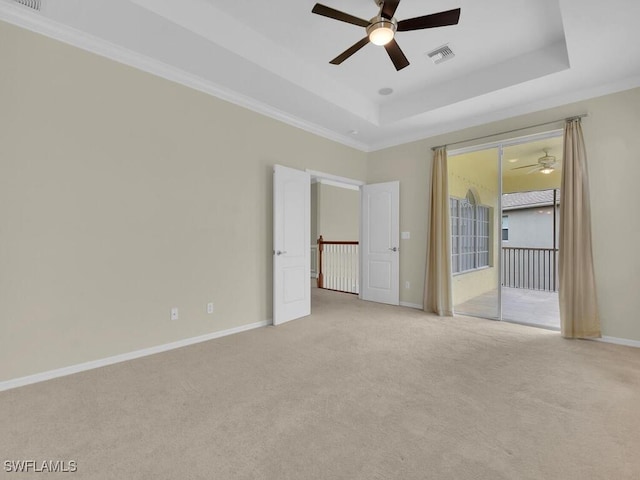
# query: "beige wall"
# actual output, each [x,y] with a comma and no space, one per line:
[338,213]
[613,148]
[123,195]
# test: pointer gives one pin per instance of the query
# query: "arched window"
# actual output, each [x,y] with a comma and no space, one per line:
[471,198]
[470,231]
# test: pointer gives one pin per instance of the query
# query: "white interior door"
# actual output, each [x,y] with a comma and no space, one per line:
[291,252]
[380,240]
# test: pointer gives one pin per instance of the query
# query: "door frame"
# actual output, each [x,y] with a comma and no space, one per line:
[340,182]
[351,184]
[335,180]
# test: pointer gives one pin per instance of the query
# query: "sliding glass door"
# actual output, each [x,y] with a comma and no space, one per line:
[504,203]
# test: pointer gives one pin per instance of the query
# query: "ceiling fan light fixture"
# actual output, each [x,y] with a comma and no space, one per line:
[546,170]
[381,31]
[382,28]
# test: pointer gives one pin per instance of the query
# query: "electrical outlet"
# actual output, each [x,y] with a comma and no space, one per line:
[210,307]
[407,285]
[174,313]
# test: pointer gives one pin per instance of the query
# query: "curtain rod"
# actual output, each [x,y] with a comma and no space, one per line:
[575,117]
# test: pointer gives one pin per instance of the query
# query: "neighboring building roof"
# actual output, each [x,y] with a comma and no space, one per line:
[539,198]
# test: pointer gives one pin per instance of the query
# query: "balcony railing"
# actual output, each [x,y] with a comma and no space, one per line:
[338,266]
[532,268]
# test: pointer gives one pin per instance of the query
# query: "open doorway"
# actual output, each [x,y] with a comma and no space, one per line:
[335,235]
[357,229]
[504,201]
[335,220]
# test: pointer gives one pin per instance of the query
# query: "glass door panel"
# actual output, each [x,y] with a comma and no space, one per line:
[531,175]
[474,194]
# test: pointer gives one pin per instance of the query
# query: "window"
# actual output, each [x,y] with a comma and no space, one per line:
[505,227]
[469,234]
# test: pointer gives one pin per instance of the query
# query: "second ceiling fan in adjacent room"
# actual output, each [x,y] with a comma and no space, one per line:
[546,164]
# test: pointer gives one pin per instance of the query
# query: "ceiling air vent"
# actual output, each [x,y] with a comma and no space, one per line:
[34,4]
[441,54]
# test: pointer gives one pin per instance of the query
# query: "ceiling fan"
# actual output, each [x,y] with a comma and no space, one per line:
[546,164]
[382,28]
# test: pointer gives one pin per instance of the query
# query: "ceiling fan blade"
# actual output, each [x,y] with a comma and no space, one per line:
[350,51]
[537,168]
[442,19]
[338,15]
[396,55]
[389,8]
[527,166]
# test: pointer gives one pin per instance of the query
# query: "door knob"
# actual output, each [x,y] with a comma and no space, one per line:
[394,249]
[278,252]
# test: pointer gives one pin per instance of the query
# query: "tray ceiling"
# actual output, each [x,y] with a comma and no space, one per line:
[511,57]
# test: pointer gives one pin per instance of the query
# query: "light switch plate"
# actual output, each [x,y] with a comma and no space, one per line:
[405,235]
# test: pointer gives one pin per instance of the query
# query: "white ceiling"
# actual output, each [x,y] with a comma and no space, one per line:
[512,57]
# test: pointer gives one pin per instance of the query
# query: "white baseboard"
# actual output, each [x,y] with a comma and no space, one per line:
[81,367]
[620,341]
[411,305]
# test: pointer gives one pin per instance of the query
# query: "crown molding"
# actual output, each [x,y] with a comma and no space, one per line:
[24,17]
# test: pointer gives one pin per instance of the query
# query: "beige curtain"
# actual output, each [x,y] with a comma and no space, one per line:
[438,293]
[578,306]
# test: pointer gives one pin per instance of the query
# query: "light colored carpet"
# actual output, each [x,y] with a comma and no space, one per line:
[356,391]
